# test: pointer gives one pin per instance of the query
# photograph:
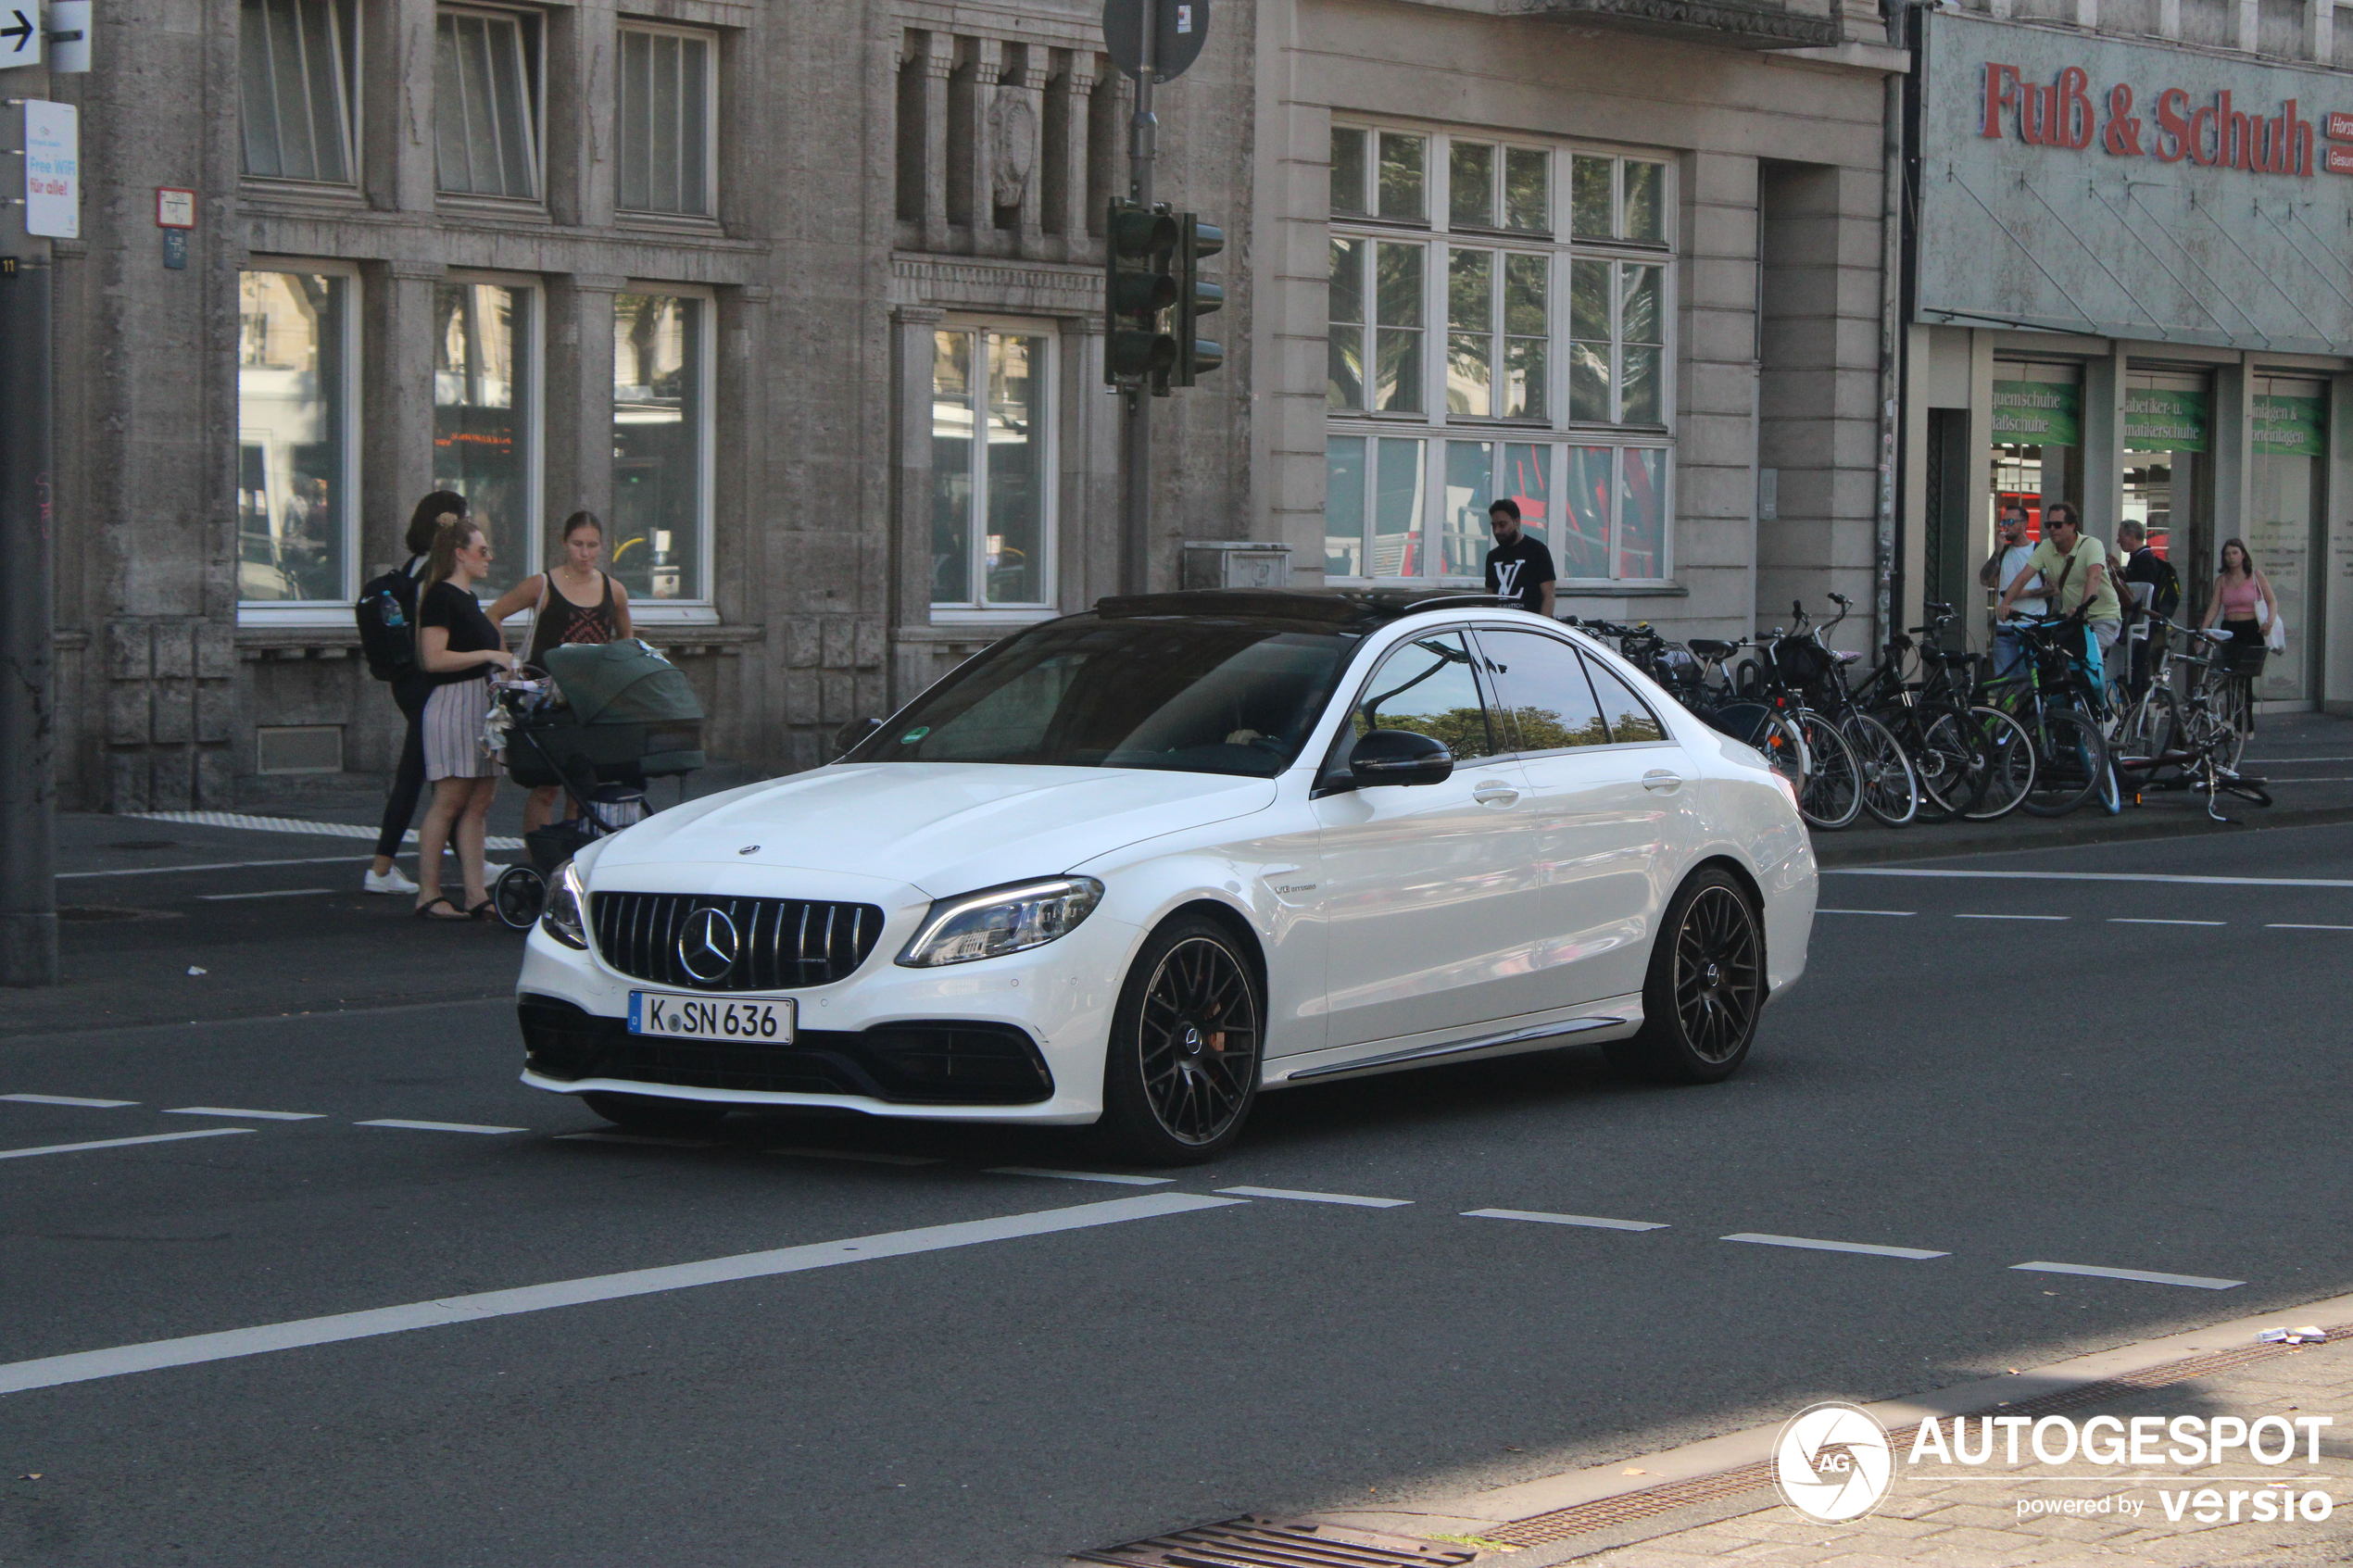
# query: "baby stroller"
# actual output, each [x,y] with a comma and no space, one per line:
[598,721]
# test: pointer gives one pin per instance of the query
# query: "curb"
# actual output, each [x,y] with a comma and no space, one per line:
[1711,1472]
[1934,842]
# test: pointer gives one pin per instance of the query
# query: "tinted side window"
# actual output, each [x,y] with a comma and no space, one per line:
[1542,696]
[1630,720]
[1427,686]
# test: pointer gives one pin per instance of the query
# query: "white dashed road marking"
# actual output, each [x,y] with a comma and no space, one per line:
[2142,920]
[1906,913]
[2013,917]
[49,1372]
[2288,925]
[1914,1253]
[118,1143]
[2094,877]
[1319,1197]
[2196,1281]
[1114,1178]
[248,1115]
[437,1126]
[1542,1219]
[68,1099]
[272,892]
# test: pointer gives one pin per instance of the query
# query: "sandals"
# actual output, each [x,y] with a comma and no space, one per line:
[425,911]
[487,910]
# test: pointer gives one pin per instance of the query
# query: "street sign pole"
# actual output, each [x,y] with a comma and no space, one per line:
[28,712]
[1136,433]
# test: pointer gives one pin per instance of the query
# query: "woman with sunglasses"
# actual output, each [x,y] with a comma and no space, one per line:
[458,647]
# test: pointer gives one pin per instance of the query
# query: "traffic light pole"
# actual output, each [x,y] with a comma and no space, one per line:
[1136,432]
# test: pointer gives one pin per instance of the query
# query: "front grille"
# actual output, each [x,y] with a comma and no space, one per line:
[782,944]
[950,1063]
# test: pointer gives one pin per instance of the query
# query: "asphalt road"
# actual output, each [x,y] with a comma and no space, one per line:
[997,1367]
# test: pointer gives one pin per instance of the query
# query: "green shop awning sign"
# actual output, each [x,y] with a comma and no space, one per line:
[2290,427]
[2037,413]
[2164,421]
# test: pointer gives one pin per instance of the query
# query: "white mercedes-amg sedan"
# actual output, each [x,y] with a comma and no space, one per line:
[1134,867]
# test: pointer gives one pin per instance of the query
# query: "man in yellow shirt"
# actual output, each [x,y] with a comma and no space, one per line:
[2077,567]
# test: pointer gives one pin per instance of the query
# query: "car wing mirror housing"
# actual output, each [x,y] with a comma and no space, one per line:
[1399,756]
[851,733]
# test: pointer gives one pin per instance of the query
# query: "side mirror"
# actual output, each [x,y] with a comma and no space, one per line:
[1399,756]
[849,734]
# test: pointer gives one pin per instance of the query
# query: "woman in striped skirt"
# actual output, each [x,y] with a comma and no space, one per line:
[457,647]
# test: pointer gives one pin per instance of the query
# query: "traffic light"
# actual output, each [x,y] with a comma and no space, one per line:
[1138,286]
[1196,297]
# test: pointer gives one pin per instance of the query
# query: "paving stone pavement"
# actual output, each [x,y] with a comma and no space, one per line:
[1971,1517]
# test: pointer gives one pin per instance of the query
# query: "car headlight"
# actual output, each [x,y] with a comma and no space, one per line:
[1000,920]
[563,919]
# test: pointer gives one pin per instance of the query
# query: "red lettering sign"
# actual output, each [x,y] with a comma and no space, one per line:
[2340,160]
[2340,126]
[2215,134]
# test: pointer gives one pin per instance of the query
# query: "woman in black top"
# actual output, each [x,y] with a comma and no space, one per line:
[457,647]
[409,693]
[576,602]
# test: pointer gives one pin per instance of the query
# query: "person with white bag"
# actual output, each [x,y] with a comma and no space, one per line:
[2249,611]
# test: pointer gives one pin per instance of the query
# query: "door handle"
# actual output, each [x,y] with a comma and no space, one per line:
[1662,782]
[1494,795]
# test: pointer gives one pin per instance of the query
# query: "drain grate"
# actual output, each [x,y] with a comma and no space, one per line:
[1629,1507]
[1251,1542]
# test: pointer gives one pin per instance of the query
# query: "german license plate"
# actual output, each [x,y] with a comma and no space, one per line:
[710,1018]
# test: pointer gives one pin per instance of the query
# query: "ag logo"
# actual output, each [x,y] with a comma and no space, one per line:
[1832,1462]
[707,947]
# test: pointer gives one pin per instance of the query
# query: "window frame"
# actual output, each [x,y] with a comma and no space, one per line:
[1343,713]
[978,610]
[709,38]
[700,606]
[532,59]
[1555,428]
[315,612]
[352,41]
[532,417]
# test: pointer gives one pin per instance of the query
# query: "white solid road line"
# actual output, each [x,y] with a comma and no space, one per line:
[1906,913]
[2196,1281]
[437,1126]
[221,866]
[1915,1253]
[2013,917]
[1542,1219]
[291,824]
[1113,1178]
[49,1372]
[272,892]
[870,1157]
[248,1115]
[1320,1198]
[2094,877]
[2289,925]
[68,1099]
[120,1143]
[2145,920]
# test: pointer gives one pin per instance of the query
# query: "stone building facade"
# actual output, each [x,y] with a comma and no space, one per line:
[841,260]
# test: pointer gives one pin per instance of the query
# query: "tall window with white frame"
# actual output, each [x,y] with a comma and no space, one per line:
[484,414]
[296,472]
[992,467]
[295,61]
[660,531]
[486,103]
[668,119]
[1498,328]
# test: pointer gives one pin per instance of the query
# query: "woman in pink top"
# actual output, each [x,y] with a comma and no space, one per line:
[2237,591]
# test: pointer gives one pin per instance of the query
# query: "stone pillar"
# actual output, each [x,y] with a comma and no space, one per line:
[1087,554]
[2320,31]
[2104,383]
[395,138]
[579,421]
[968,163]
[583,109]
[396,404]
[1019,116]
[938,63]
[1069,217]
[910,570]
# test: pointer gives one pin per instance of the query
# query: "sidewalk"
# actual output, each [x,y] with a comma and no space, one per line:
[2306,757]
[1716,1500]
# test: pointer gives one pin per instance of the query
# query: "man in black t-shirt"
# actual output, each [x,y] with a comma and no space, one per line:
[1519,569]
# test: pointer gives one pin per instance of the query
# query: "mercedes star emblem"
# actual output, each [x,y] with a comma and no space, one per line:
[707,947]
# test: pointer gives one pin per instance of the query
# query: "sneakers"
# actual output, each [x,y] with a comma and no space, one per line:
[388,881]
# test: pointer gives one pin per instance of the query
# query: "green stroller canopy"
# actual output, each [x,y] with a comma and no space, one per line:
[622,683]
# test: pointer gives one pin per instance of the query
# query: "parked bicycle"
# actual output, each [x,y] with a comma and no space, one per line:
[1973,762]
[2061,702]
[1890,788]
[2194,741]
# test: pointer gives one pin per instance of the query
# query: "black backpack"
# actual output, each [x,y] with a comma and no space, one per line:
[386,613]
[2165,591]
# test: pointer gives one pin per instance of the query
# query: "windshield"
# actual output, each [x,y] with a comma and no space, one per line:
[1192,695]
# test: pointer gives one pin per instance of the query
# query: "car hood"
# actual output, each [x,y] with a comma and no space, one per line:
[942,827]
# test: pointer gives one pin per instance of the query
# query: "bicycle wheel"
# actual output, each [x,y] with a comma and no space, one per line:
[2148,732]
[518,896]
[1891,790]
[1998,760]
[1784,750]
[2069,761]
[2235,710]
[1940,766]
[1832,796]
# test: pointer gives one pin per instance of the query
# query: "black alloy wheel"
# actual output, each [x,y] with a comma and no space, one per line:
[1186,1040]
[1705,989]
